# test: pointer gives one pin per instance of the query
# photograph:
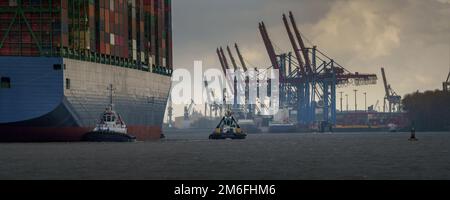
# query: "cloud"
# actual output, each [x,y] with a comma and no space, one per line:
[360,28]
[410,38]
[444,1]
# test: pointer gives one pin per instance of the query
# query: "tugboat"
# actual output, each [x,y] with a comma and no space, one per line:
[228,128]
[392,128]
[110,128]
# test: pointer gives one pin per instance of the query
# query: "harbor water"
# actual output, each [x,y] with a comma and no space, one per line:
[352,156]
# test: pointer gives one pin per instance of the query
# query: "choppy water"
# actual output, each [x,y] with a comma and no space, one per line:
[266,156]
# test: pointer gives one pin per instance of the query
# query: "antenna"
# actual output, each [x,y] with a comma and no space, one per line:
[111,89]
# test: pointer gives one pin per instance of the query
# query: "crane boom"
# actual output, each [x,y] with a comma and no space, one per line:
[221,62]
[446,84]
[188,110]
[386,86]
[170,112]
[301,43]
[244,66]
[269,45]
[224,58]
[448,77]
[227,67]
[208,94]
[191,106]
[294,45]
[233,61]
[391,96]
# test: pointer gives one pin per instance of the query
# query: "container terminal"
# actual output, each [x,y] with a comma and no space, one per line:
[309,98]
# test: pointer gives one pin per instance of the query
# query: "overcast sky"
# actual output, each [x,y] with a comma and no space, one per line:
[410,38]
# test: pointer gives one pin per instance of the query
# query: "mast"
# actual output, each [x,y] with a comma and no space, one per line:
[111,88]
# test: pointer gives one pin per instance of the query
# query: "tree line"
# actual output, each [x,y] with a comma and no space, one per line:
[428,111]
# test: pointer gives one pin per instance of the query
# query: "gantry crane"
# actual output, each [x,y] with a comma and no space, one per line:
[304,77]
[446,84]
[235,81]
[246,110]
[250,108]
[225,67]
[208,99]
[170,113]
[233,61]
[393,100]
[188,110]
[222,62]
[213,106]
[241,58]
[376,107]
[307,75]
[269,46]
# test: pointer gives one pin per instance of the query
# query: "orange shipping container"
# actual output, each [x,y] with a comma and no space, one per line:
[107,49]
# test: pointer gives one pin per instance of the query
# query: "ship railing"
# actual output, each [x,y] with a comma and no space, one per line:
[86,55]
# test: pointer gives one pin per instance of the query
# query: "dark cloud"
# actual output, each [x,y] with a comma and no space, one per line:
[410,38]
[202,25]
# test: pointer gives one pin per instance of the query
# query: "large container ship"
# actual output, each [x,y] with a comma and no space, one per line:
[58,58]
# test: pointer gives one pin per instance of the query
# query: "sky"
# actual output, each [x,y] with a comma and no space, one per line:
[409,38]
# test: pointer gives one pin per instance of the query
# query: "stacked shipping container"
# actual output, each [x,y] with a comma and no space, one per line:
[112,28]
[371,118]
[31,31]
[126,31]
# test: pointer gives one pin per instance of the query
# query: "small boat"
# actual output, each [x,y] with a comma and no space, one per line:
[392,127]
[110,128]
[281,123]
[287,127]
[249,126]
[228,128]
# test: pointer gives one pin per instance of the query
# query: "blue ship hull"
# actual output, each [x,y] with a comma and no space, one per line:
[59,99]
